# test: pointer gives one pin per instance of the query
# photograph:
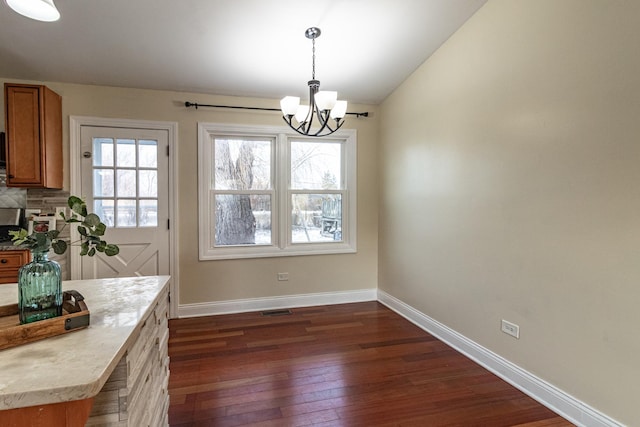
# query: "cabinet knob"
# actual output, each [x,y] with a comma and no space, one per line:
[11,176]
[4,260]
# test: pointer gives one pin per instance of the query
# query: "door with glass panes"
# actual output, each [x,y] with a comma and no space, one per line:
[125,182]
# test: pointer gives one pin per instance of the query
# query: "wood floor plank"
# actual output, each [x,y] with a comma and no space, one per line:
[340,365]
[334,326]
[206,336]
[280,341]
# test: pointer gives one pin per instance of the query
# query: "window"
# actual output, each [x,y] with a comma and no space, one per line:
[125,181]
[265,192]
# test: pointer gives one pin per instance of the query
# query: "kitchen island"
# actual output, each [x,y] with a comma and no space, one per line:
[117,368]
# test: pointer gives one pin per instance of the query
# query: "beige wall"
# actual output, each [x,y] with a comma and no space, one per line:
[510,189]
[210,281]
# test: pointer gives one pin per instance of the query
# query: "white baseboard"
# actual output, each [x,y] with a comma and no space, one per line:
[555,399]
[270,303]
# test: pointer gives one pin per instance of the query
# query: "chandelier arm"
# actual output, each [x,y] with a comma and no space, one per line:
[329,130]
[332,130]
[339,124]
[289,120]
[306,126]
[302,130]
[313,88]
[317,134]
[323,119]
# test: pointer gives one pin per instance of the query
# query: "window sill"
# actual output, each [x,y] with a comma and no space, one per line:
[270,252]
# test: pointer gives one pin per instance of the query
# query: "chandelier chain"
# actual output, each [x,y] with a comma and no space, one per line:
[313,61]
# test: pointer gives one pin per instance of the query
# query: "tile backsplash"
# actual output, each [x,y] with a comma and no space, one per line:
[46,200]
[13,197]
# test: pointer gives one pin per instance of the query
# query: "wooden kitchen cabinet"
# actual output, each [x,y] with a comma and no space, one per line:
[10,263]
[34,136]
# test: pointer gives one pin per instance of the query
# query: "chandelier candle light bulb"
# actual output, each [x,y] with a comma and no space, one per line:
[289,105]
[326,99]
[302,115]
[339,110]
[323,105]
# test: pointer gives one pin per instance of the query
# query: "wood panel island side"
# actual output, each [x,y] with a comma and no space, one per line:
[113,373]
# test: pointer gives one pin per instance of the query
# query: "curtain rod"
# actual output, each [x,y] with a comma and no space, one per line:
[196,105]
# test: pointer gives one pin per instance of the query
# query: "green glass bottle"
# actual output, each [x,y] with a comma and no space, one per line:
[39,288]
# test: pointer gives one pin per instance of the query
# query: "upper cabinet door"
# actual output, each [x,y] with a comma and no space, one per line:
[34,136]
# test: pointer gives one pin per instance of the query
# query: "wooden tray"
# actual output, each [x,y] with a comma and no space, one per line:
[75,315]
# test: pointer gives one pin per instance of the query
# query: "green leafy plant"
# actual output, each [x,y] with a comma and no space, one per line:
[89,225]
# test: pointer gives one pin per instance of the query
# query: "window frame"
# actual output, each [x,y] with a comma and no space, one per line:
[281,187]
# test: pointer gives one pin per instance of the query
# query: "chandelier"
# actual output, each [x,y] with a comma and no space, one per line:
[323,105]
[40,10]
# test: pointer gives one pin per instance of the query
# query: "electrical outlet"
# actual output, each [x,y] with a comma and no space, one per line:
[283,277]
[510,329]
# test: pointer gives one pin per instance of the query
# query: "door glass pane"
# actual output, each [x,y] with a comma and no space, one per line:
[104,209]
[126,183]
[126,152]
[148,213]
[126,213]
[148,154]
[242,164]
[242,219]
[316,165]
[103,183]
[102,152]
[316,218]
[118,188]
[148,183]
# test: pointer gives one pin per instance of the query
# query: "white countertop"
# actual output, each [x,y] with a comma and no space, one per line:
[76,365]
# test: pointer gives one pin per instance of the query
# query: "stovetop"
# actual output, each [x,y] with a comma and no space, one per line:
[4,232]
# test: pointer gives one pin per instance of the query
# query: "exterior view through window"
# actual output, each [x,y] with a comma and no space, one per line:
[316,199]
[125,182]
[243,191]
[271,193]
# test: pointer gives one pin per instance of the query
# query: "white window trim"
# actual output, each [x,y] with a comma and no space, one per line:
[282,222]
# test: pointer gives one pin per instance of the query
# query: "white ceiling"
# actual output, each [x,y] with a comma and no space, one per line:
[231,47]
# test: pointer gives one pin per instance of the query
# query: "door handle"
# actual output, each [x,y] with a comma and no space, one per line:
[86,154]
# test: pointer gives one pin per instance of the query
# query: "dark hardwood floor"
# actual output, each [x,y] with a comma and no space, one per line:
[341,365]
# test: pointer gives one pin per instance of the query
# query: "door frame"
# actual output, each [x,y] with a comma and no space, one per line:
[75,124]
